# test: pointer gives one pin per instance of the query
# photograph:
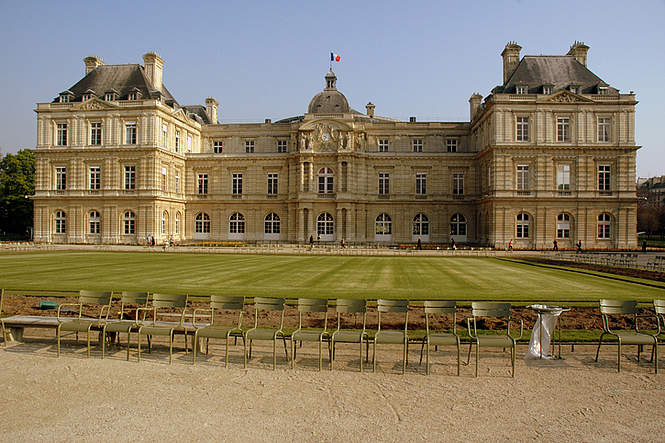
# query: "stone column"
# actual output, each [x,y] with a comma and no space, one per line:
[300,236]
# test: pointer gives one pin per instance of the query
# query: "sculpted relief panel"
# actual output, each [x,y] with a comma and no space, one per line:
[327,137]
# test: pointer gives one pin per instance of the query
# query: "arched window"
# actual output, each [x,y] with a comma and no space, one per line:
[522,225]
[457,224]
[177,223]
[604,225]
[325,224]
[271,224]
[383,225]
[237,223]
[130,223]
[420,225]
[563,226]
[165,222]
[326,179]
[94,222]
[202,223]
[60,222]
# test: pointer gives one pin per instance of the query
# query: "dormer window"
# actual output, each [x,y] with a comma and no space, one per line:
[520,89]
[134,94]
[603,90]
[85,97]
[547,89]
[131,96]
[575,89]
[65,98]
[110,96]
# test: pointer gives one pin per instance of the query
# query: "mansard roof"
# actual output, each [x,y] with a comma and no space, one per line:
[560,71]
[122,78]
[198,113]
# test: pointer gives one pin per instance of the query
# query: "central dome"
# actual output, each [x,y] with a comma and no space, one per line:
[330,100]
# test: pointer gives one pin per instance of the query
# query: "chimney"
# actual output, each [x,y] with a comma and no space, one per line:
[370,109]
[211,110]
[474,104]
[91,62]
[511,57]
[579,50]
[154,67]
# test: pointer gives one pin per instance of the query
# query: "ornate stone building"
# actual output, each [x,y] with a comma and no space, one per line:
[549,154]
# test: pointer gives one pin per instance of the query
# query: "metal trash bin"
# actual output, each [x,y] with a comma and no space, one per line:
[543,331]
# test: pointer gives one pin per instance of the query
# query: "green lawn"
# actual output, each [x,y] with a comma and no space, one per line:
[463,278]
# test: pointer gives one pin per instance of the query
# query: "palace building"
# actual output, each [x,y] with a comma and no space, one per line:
[548,155]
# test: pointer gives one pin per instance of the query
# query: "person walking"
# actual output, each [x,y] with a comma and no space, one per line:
[311,242]
[419,246]
[556,246]
[510,245]
[579,246]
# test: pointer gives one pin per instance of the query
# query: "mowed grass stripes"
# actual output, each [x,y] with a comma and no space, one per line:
[463,278]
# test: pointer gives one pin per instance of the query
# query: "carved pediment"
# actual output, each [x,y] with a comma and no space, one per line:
[325,136]
[565,97]
[95,104]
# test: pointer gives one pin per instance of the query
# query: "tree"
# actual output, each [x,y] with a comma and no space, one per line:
[17,182]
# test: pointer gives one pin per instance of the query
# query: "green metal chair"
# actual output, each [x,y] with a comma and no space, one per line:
[306,305]
[213,330]
[96,299]
[394,337]
[2,322]
[659,306]
[177,302]
[492,310]
[349,306]
[115,327]
[263,333]
[609,308]
[442,307]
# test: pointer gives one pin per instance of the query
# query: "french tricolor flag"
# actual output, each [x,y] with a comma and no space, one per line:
[334,57]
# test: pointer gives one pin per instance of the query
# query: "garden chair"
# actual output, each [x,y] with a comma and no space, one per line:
[213,330]
[2,322]
[311,335]
[266,333]
[121,325]
[383,336]
[101,301]
[435,338]
[349,306]
[609,308]
[492,310]
[177,302]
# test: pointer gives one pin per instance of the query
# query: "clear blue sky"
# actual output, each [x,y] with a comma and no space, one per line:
[267,59]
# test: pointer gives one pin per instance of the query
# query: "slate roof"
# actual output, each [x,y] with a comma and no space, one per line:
[198,113]
[560,71]
[122,78]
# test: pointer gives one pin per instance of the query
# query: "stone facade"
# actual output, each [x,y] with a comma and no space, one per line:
[118,159]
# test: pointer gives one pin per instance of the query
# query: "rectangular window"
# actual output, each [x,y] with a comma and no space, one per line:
[61,136]
[604,178]
[384,145]
[451,145]
[489,178]
[547,90]
[417,145]
[95,133]
[421,184]
[272,183]
[522,177]
[177,141]
[563,129]
[177,181]
[520,89]
[164,180]
[203,183]
[189,143]
[130,178]
[131,96]
[563,177]
[60,178]
[384,183]
[249,146]
[95,178]
[281,145]
[218,147]
[130,133]
[458,183]
[604,129]
[165,135]
[236,185]
[522,129]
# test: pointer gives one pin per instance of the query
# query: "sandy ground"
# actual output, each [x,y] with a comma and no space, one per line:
[81,399]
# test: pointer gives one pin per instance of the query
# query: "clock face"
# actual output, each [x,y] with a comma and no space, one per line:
[326,136]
